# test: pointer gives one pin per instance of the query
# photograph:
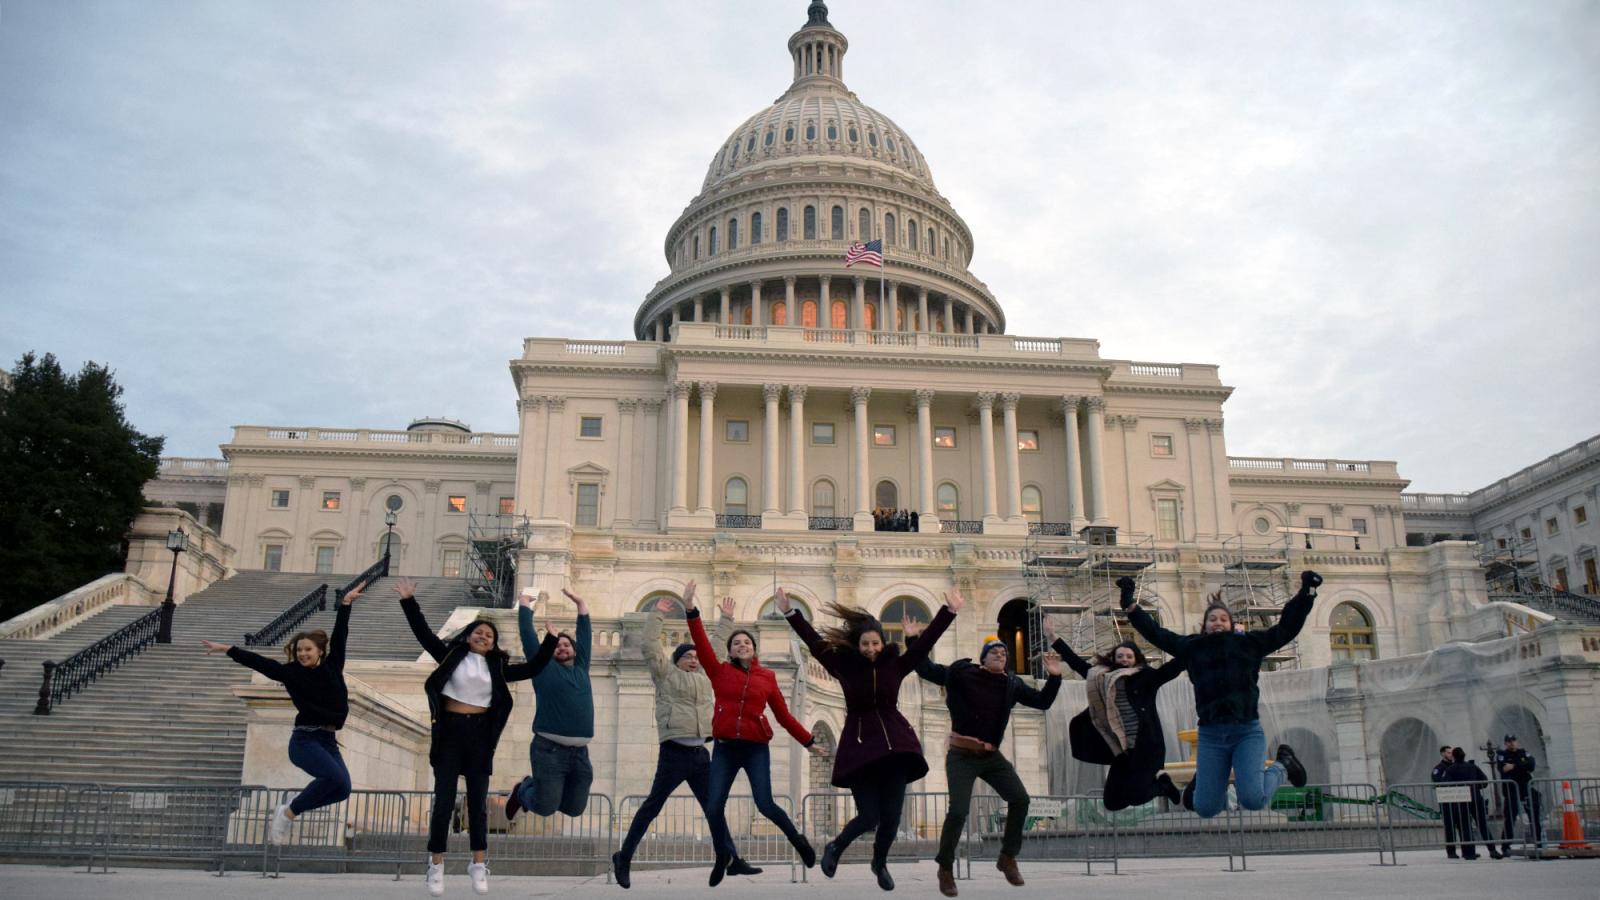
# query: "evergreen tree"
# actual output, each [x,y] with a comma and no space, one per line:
[72,476]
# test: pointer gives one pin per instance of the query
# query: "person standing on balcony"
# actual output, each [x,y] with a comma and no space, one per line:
[563,722]
[468,703]
[684,703]
[980,697]
[1224,667]
[1121,727]
[744,689]
[879,753]
[314,677]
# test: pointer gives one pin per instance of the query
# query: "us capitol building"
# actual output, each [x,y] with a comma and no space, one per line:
[772,404]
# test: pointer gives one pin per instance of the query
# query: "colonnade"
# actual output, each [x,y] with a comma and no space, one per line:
[930,312]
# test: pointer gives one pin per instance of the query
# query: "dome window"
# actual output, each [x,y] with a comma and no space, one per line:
[872,138]
[788,135]
[854,136]
[811,132]
[750,145]
[783,224]
[889,141]
[836,223]
[769,138]
[833,132]
[733,155]
[810,232]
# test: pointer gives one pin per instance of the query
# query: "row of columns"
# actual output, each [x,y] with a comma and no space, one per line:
[1079,513]
[888,309]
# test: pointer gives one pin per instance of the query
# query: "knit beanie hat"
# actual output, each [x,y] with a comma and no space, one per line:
[990,643]
[679,651]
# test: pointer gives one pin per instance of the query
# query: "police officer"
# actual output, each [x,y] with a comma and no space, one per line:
[1515,766]
[1439,768]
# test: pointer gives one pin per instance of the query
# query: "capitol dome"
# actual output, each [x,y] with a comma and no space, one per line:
[785,196]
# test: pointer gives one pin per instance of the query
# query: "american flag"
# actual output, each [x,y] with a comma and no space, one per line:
[870,253]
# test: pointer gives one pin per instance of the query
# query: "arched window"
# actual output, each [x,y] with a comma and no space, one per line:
[783,224]
[839,315]
[889,142]
[780,314]
[854,135]
[755,228]
[1013,632]
[872,139]
[866,225]
[911,234]
[733,234]
[697,246]
[808,314]
[886,496]
[836,222]
[871,312]
[931,243]
[1032,505]
[768,139]
[946,248]
[389,545]
[769,609]
[1350,634]
[888,229]
[822,498]
[712,245]
[788,135]
[949,500]
[833,132]
[648,604]
[735,497]
[811,131]
[902,608]
[810,233]
[750,145]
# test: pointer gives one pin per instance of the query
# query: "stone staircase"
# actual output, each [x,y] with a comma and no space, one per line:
[168,715]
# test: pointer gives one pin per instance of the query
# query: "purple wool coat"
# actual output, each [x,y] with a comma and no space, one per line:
[873,726]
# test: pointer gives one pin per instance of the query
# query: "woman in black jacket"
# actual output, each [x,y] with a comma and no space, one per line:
[468,703]
[314,678]
[1120,727]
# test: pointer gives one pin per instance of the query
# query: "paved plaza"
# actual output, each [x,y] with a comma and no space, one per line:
[1421,875]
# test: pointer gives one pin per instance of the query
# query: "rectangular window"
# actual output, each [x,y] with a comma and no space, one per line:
[508,505]
[1315,522]
[1591,578]
[589,426]
[1359,526]
[272,558]
[883,435]
[1167,520]
[822,434]
[280,499]
[1552,526]
[1161,445]
[588,515]
[737,431]
[324,560]
[1580,515]
[456,503]
[944,437]
[330,500]
[452,564]
[1561,578]
[1527,534]
[1500,542]
[1027,440]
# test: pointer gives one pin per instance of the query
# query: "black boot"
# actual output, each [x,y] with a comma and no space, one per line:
[1188,796]
[514,801]
[619,868]
[718,869]
[830,858]
[1291,764]
[1168,789]
[740,867]
[802,846]
[880,868]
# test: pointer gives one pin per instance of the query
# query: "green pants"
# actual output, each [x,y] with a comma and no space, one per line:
[962,768]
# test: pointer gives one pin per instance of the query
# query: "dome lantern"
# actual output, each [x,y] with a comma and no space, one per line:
[817,51]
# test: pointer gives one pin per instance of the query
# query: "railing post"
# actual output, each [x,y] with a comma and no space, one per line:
[43,706]
[386,560]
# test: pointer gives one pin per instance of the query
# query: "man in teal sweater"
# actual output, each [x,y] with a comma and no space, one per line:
[563,721]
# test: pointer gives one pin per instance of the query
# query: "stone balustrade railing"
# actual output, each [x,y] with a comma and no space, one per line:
[117,589]
[372,437]
[1290,466]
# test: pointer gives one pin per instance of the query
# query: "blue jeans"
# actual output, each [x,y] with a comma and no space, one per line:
[560,781]
[676,764]
[727,758]
[1240,747]
[317,753]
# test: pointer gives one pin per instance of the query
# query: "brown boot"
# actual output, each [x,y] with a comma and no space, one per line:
[1008,865]
[947,881]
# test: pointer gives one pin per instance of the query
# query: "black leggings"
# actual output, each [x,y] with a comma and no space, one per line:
[1130,782]
[880,792]
[461,749]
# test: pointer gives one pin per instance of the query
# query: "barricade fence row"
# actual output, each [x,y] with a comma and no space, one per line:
[226,828]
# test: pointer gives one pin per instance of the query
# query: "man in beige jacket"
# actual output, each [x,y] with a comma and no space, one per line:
[684,702]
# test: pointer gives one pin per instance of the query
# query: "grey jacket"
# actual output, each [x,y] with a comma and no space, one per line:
[684,700]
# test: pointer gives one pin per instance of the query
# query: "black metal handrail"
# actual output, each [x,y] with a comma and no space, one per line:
[63,679]
[831,523]
[298,612]
[738,521]
[379,569]
[961,526]
[1051,529]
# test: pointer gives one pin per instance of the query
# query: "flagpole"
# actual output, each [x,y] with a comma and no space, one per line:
[883,255]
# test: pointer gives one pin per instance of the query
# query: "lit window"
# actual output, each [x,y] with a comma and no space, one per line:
[944,437]
[1359,526]
[822,434]
[883,435]
[324,560]
[808,314]
[330,500]
[1027,440]
[1032,504]
[452,564]
[280,499]
[737,431]
[1350,634]
[822,499]
[589,426]
[1167,520]
[456,503]
[508,505]
[839,315]
[736,497]
[1160,445]
[1551,526]
[1314,522]
[871,312]
[949,499]
[588,515]
[272,558]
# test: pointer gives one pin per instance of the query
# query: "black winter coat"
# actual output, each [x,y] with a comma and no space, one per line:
[1150,750]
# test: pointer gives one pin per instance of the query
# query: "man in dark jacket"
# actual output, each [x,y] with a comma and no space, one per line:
[1466,771]
[980,697]
[1515,766]
[1439,769]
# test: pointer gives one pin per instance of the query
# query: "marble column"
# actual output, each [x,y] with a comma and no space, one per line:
[825,303]
[927,514]
[922,310]
[771,481]
[986,453]
[699,307]
[949,316]
[970,321]
[858,309]
[627,427]
[797,449]
[1008,410]
[1097,474]
[863,505]
[678,394]
[791,312]
[1069,415]
[892,321]
[708,396]
[554,429]
[885,311]
[758,312]
[726,316]
[661,331]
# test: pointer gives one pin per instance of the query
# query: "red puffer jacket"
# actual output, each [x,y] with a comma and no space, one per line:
[743,695]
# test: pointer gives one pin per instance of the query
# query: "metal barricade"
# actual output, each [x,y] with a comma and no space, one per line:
[823,814]
[1320,818]
[1550,835]
[368,831]
[1057,828]
[1414,815]
[139,822]
[680,836]
[42,822]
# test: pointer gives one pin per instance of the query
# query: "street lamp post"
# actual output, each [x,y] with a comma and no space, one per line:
[177,542]
[389,518]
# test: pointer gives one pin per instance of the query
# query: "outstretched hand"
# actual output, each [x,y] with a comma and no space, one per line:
[1048,624]
[1310,581]
[911,628]
[954,600]
[688,596]
[784,603]
[214,647]
[727,606]
[665,606]
[1052,664]
[406,588]
[583,608]
[1126,586]
[350,595]
[817,750]
[529,598]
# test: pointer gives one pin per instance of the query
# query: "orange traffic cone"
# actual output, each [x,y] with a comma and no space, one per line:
[1571,825]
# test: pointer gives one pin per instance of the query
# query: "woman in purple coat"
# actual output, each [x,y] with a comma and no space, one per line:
[878,753]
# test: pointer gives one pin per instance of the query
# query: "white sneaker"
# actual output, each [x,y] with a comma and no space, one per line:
[280,824]
[479,873]
[435,879]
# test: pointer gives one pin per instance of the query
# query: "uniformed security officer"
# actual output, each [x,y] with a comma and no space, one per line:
[1515,766]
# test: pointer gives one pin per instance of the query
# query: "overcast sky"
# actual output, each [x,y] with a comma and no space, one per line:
[1382,220]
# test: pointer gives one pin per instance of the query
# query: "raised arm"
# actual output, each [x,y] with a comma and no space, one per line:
[1156,676]
[541,650]
[655,656]
[918,648]
[1038,698]
[341,630]
[243,657]
[726,624]
[709,663]
[1074,662]
[431,643]
[1170,643]
[934,672]
[582,647]
[1294,616]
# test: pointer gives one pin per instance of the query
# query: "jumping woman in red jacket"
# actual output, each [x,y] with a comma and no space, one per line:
[744,689]
[879,753]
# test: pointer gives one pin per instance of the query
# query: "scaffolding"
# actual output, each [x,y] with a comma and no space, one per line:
[490,576]
[1073,579]
[1256,584]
